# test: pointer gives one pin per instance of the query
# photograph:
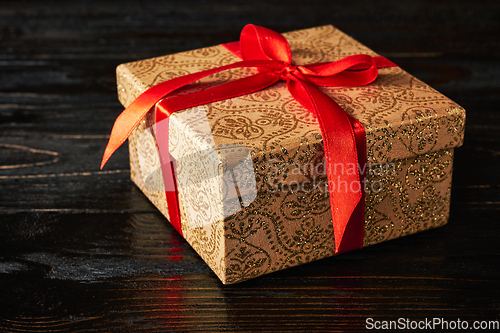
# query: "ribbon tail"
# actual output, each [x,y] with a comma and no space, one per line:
[128,120]
[342,165]
[231,89]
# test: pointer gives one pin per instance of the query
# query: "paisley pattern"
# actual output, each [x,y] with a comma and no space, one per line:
[411,131]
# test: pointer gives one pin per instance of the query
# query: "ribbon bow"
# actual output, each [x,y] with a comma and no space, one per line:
[270,54]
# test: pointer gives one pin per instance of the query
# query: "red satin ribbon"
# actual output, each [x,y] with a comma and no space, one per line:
[270,54]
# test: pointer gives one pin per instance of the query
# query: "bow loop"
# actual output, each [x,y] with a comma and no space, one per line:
[351,71]
[259,43]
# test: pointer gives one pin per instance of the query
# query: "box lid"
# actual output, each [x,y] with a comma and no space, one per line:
[403,117]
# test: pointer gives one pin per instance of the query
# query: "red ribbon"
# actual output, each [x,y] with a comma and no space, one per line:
[269,53]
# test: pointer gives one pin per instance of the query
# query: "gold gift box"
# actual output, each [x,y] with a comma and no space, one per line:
[252,190]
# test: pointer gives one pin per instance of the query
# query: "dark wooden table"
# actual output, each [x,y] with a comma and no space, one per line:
[82,249]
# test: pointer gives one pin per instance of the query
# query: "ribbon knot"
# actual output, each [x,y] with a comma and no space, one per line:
[287,72]
[269,52]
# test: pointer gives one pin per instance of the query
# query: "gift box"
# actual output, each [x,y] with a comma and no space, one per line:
[251,187]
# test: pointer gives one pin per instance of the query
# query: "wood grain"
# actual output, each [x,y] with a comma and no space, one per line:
[82,249]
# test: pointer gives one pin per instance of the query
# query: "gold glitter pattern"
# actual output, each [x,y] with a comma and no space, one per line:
[414,196]
[411,131]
